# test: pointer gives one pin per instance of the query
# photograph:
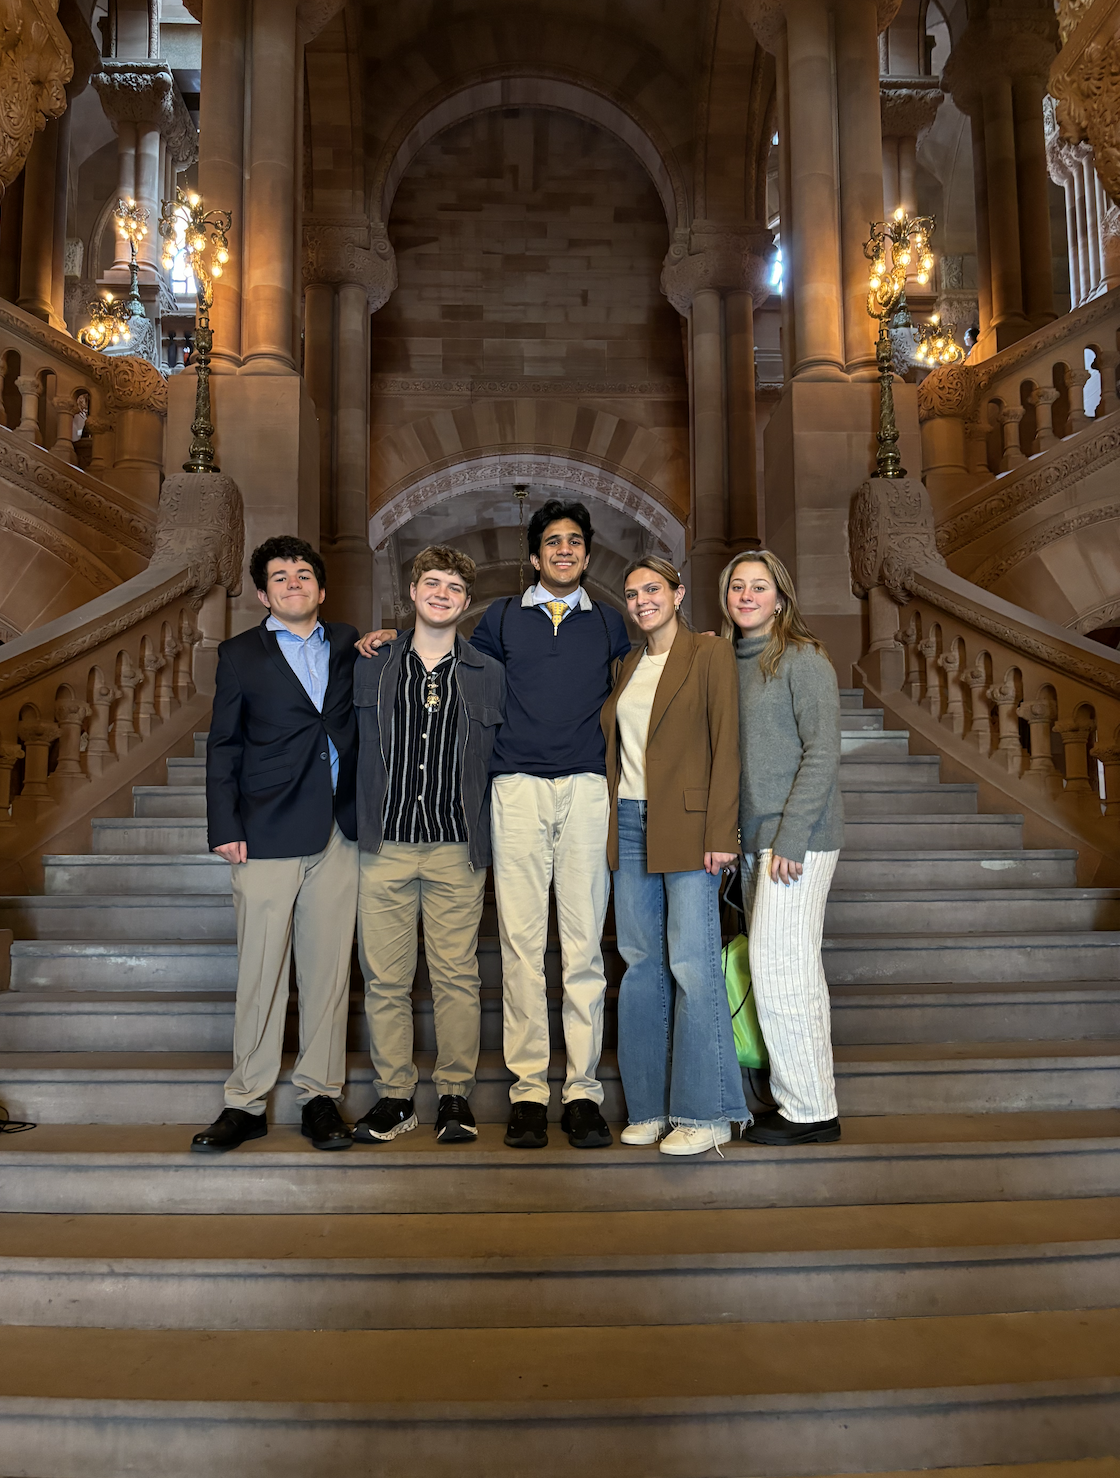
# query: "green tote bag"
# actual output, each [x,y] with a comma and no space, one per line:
[750,1049]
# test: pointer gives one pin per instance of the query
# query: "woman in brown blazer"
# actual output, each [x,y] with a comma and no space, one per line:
[672,732]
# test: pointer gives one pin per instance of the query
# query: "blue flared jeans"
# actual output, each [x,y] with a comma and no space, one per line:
[676,1051]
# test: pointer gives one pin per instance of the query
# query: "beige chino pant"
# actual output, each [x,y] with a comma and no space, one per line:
[399,883]
[307,904]
[551,831]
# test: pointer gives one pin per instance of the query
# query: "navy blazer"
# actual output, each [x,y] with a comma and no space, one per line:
[268,772]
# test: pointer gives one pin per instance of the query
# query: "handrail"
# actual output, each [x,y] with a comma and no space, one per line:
[1027,706]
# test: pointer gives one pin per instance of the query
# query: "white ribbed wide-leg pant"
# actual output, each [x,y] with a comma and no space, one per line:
[786,925]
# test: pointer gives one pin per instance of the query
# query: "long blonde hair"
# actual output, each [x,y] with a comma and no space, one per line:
[789,626]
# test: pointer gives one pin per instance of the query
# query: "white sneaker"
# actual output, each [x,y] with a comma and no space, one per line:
[645,1131]
[694,1139]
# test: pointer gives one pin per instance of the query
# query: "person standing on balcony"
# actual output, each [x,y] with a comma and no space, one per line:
[281,761]
[429,705]
[672,733]
[791,823]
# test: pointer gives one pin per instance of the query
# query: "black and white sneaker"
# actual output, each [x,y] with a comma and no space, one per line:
[585,1126]
[528,1126]
[454,1121]
[385,1120]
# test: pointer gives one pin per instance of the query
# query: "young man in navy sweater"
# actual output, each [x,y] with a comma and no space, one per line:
[549,815]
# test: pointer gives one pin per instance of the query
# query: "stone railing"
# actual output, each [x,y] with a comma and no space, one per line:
[120,404]
[1018,703]
[87,702]
[980,420]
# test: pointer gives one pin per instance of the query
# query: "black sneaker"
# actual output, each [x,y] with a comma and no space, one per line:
[455,1122]
[774,1129]
[385,1120]
[585,1126]
[528,1126]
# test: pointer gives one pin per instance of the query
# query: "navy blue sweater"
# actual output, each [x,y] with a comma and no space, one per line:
[555,686]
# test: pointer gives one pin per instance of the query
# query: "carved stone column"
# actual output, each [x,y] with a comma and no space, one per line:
[714,275]
[861,177]
[36,258]
[909,106]
[221,163]
[997,75]
[350,272]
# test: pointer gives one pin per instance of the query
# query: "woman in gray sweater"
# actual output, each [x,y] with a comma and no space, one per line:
[791,826]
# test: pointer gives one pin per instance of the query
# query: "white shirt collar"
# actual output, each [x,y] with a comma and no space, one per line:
[537,595]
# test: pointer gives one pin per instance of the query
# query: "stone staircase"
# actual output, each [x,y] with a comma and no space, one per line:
[940,1289]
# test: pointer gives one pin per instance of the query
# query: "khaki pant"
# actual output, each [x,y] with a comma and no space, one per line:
[307,903]
[397,884]
[551,831]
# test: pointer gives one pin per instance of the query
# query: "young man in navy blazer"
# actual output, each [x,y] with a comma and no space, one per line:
[281,764]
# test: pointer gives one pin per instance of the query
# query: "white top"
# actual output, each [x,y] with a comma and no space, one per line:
[634,709]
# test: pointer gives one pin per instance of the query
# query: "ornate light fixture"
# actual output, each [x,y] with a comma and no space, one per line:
[186,225]
[132,224]
[108,323]
[894,247]
[934,345]
[521,493]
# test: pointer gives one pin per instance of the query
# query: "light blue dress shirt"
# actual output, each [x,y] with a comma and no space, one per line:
[310,660]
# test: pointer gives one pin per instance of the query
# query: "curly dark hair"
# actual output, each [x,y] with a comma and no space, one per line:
[552,512]
[285,546]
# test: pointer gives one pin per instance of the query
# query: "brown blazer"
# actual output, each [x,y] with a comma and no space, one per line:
[692,755]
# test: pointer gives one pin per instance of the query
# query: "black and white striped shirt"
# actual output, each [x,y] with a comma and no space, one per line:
[424,801]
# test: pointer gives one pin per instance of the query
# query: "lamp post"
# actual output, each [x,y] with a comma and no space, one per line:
[893,246]
[186,225]
[111,317]
[132,223]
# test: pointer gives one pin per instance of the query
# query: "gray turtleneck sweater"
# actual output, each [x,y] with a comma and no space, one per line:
[789,740]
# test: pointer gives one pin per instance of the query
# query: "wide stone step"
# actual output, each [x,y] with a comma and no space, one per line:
[170,803]
[909,1078]
[886,959]
[1014,1011]
[178,832]
[988,869]
[899,768]
[119,916]
[937,831]
[123,965]
[861,1395]
[136,873]
[898,798]
[146,1168]
[1021,910]
[861,720]
[472,1271]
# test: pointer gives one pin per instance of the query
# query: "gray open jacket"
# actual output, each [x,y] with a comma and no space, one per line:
[480,684]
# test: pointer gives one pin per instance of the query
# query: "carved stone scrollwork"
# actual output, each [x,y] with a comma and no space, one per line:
[1086,91]
[354,250]
[890,532]
[137,385]
[709,254]
[908,105]
[36,63]
[201,522]
[139,91]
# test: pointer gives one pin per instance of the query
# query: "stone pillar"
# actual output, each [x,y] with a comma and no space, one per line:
[908,106]
[126,187]
[269,273]
[861,174]
[148,194]
[36,262]
[318,371]
[706,279]
[813,250]
[997,74]
[221,164]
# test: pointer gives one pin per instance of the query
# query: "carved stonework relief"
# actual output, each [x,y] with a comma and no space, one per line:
[890,532]
[350,251]
[201,523]
[138,91]
[728,258]
[36,63]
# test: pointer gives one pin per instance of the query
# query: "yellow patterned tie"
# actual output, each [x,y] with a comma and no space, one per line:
[557,609]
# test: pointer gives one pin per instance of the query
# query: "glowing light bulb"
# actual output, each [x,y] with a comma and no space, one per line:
[223,255]
[903,259]
[880,266]
[194,199]
[875,281]
[900,213]
[216,270]
[923,278]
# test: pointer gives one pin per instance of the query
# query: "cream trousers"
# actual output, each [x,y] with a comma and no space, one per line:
[551,831]
[790,991]
[306,905]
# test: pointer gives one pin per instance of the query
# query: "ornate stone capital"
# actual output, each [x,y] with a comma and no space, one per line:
[767,19]
[201,522]
[889,533]
[36,63]
[1085,85]
[1001,44]
[138,91]
[354,250]
[908,105]
[728,257]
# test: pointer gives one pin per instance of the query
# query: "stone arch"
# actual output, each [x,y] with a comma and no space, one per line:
[559,472]
[529,89]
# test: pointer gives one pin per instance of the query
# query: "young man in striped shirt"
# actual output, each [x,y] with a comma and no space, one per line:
[429,706]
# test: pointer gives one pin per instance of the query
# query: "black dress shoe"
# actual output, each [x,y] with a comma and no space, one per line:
[231,1128]
[324,1126]
[528,1126]
[774,1129]
[454,1121]
[585,1126]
